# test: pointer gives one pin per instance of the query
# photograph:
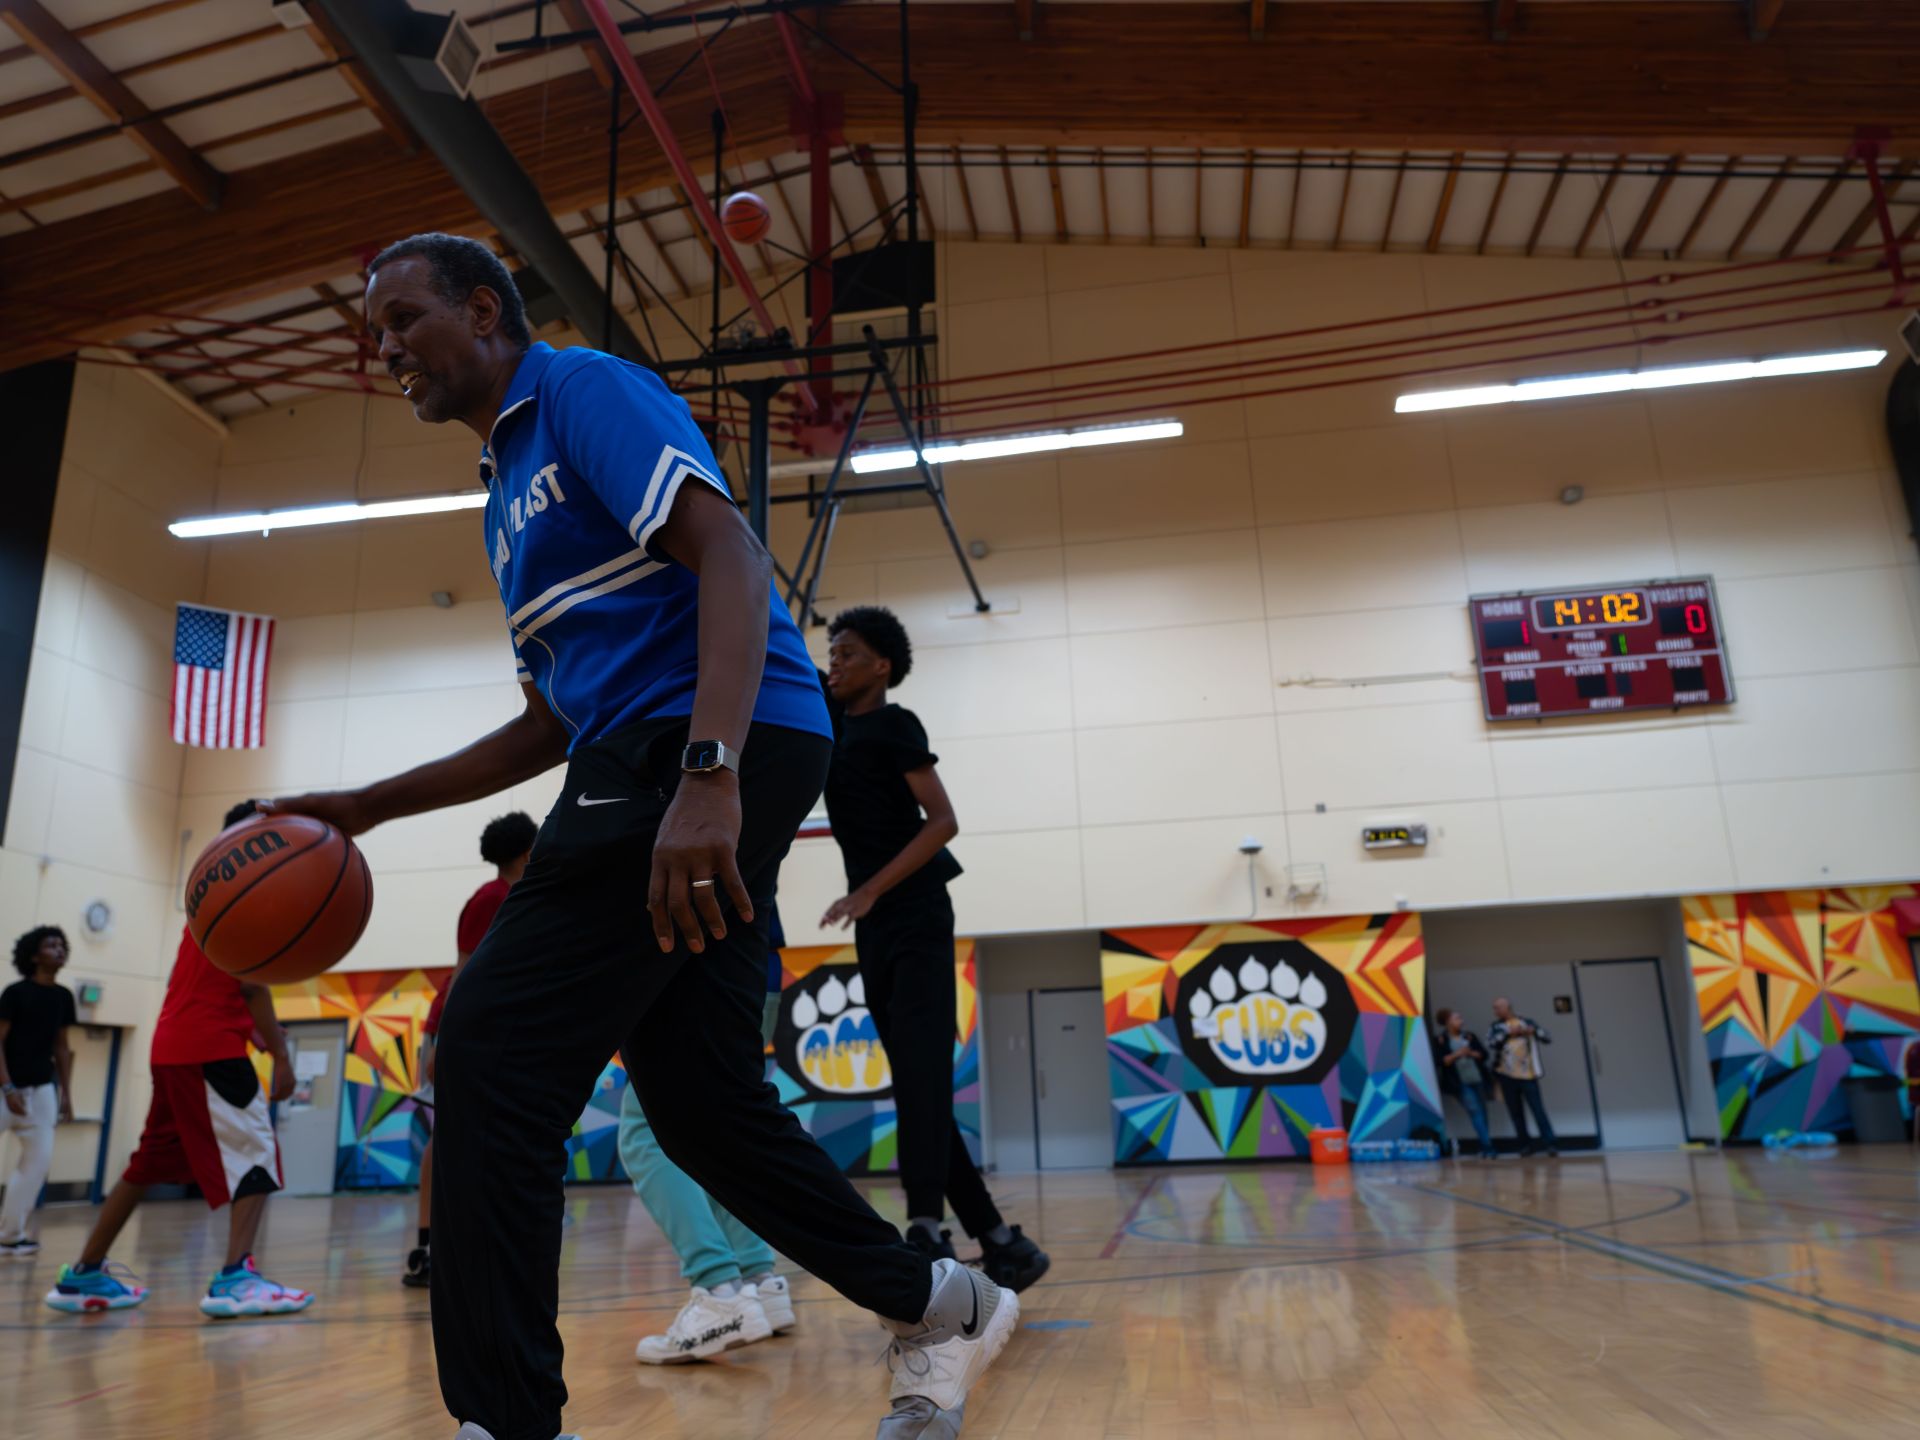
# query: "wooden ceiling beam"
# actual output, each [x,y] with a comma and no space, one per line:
[86,73]
[1850,237]
[12,53]
[1446,203]
[1493,206]
[1059,200]
[1246,199]
[575,14]
[1293,195]
[1346,189]
[1652,208]
[876,188]
[646,228]
[328,40]
[1599,210]
[1013,202]
[1153,229]
[1199,194]
[340,306]
[1815,210]
[1546,204]
[1706,205]
[966,194]
[1759,209]
[1393,204]
[1633,75]
[1106,221]
[29,103]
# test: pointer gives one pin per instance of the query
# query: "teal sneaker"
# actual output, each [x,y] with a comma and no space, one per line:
[81,1293]
[243,1290]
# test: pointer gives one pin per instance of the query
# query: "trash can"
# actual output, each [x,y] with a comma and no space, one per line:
[1328,1146]
[1874,1102]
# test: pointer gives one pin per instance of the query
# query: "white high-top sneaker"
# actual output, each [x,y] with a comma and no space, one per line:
[706,1325]
[777,1300]
[967,1323]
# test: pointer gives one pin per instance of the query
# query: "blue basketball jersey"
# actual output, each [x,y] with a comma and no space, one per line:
[582,469]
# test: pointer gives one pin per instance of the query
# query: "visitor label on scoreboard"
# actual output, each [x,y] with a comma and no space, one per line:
[1648,645]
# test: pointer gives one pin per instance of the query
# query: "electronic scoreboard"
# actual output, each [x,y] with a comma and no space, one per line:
[1652,645]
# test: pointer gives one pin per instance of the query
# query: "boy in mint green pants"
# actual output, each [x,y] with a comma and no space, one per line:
[736,1298]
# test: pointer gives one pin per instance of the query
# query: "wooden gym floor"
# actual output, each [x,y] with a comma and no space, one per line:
[1645,1295]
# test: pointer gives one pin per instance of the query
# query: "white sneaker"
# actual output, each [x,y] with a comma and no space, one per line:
[706,1325]
[777,1300]
[967,1324]
[471,1431]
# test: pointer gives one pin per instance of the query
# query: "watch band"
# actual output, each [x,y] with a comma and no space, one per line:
[703,757]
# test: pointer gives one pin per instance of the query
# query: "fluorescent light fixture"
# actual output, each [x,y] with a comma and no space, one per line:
[1617,381]
[265,520]
[871,461]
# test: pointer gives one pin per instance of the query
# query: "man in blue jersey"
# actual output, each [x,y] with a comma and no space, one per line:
[657,662]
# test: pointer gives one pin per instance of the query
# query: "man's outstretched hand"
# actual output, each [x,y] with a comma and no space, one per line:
[342,809]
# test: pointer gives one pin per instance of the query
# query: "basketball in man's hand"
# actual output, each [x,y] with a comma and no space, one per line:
[278,898]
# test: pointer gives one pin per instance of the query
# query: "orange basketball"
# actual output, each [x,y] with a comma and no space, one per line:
[746,217]
[278,898]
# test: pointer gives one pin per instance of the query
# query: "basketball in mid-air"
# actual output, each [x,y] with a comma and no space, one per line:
[278,898]
[746,217]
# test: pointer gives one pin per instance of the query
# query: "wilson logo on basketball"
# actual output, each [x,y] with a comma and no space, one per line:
[826,1040]
[1270,1010]
[231,862]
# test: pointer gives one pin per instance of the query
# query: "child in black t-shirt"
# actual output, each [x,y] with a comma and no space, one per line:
[892,819]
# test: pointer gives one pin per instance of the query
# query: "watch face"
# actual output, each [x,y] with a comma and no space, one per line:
[701,755]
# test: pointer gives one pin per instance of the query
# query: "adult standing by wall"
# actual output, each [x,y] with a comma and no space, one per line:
[1464,1067]
[36,1074]
[1515,1041]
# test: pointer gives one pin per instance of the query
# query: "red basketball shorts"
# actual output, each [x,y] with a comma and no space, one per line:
[208,1125]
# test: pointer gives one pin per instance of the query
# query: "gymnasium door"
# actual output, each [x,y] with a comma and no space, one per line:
[1072,1115]
[1636,1085]
[309,1121]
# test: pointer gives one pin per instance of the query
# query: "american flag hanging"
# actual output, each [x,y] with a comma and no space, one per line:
[220,662]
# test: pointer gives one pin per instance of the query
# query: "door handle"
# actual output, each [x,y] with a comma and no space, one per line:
[1041,1078]
[1598,1068]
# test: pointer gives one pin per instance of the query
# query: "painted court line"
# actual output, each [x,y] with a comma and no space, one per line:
[1707,1277]
[1108,1251]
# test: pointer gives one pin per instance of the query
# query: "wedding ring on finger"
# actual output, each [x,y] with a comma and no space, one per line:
[702,885]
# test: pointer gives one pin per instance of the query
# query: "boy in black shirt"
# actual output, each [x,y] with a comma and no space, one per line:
[892,819]
[36,1075]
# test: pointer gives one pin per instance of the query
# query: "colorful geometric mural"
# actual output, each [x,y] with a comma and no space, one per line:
[826,1061]
[1235,1041]
[1798,990]
[381,1131]
[832,1071]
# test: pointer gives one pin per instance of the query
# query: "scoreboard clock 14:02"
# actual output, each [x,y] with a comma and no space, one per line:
[1648,645]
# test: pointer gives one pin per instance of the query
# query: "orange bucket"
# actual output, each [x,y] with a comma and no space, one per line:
[1328,1146]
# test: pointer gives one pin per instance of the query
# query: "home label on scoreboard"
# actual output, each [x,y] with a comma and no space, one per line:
[1649,645]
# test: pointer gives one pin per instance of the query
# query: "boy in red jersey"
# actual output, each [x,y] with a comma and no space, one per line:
[208,1124]
[505,844]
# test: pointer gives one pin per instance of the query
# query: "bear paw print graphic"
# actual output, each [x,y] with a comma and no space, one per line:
[1261,1021]
[836,1046]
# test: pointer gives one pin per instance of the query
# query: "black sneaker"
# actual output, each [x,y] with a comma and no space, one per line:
[941,1249]
[419,1268]
[1016,1264]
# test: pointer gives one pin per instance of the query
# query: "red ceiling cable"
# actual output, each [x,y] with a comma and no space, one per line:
[1421,347]
[1136,412]
[1635,312]
[1611,287]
